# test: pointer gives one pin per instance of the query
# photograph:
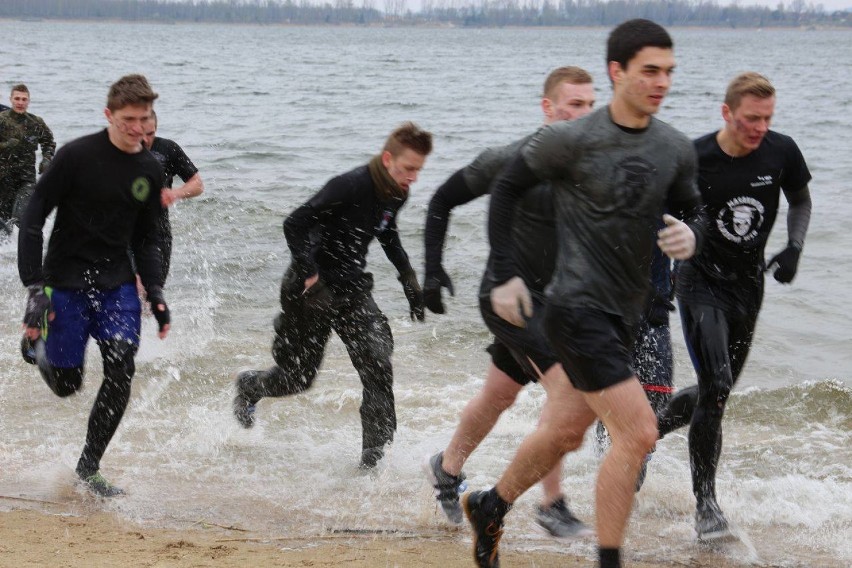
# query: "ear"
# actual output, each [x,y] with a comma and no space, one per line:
[726,113]
[386,159]
[614,71]
[547,107]
[108,115]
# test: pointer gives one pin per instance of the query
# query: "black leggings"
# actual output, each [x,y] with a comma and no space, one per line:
[110,403]
[718,342]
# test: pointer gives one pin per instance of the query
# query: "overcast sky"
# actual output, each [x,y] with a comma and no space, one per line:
[828,5]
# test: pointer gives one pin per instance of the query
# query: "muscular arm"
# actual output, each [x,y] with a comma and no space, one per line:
[798,215]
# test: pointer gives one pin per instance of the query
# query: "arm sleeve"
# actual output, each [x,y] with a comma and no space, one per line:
[684,199]
[49,189]
[392,245]
[48,145]
[798,215]
[515,180]
[451,194]
[301,223]
[147,239]
[181,164]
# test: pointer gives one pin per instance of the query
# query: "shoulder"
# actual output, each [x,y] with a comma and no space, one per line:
[165,146]
[780,142]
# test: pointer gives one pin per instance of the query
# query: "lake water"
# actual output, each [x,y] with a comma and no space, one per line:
[268,114]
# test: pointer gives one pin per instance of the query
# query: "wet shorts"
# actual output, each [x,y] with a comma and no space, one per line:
[594,347]
[102,314]
[514,346]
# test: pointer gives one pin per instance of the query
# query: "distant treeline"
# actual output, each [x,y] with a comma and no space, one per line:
[473,13]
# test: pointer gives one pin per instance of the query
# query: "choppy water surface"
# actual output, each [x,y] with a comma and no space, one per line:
[270,113]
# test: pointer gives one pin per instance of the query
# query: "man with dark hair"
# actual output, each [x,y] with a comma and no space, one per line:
[21,134]
[742,171]
[175,163]
[106,192]
[568,95]
[613,174]
[325,288]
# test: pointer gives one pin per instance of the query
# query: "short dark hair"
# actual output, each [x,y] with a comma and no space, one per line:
[630,37]
[21,88]
[130,90]
[569,74]
[408,135]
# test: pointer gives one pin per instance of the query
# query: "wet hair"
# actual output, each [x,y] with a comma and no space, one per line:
[21,88]
[568,74]
[408,135]
[748,83]
[130,90]
[630,37]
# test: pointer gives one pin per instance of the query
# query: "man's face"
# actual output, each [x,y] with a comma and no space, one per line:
[150,133]
[747,124]
[20,101]
[405,167]
[643,85]
[127,125]
[568,102]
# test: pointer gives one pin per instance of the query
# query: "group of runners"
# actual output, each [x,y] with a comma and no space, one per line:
[585,214]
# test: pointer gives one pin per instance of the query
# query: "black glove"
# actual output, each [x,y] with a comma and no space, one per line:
[38,306]
[156,298]
[432,290]
[414,295]
[657,310]
[43,165]
[787,261]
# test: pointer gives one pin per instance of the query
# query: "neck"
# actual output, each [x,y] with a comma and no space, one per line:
[729,147]
[624,115]
[116,141]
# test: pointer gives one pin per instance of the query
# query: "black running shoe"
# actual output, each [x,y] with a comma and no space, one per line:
[243,407]
[447,487]
[558,520]
[487,529]
[710,523]
[97,484]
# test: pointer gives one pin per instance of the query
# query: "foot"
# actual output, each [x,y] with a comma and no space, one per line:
[243,407]
[558,520]
[447,487]
[487,530]
[97,484]
[710,523]
[370,458]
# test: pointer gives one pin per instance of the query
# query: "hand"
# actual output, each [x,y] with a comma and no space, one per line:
[677,240]
[43,165]
[787,262]
[168,197]
[414,295]
[432,290]
[160,310]
[512,301]
[657,310]
[37,312]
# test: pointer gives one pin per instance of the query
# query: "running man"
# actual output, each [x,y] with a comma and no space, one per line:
[175,163]
[325,288]
[106,192]
[613,173]
[568,95]
[742,171]
[21,134]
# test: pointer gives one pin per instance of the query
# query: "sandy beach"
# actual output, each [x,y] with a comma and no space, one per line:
[44,534]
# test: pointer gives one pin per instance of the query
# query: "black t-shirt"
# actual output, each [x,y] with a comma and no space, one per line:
[741,198]
[331,233]
[107,204]
[173,159]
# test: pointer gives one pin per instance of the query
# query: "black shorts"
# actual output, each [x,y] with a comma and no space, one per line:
[594,347]
[514,346]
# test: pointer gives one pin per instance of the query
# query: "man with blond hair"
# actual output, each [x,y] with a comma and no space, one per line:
[742,171]
[326,288]
[105,189]
[516,353]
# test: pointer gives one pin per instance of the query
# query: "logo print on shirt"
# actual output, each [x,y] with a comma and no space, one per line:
[387,217]
[633,177]
[140,188]
[740,220]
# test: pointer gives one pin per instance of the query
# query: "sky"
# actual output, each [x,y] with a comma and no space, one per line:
[828,5]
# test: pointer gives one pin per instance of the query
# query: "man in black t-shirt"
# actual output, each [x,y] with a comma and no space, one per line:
[742,171]
[326,288]
[105,189]
[175,163]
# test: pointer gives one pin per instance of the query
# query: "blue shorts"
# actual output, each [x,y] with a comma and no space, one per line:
[102,314]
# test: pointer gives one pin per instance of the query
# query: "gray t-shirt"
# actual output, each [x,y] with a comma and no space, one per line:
[610,189]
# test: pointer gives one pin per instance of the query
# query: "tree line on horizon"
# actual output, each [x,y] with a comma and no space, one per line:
[467,13]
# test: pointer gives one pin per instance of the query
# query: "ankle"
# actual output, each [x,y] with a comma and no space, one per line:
[609,557]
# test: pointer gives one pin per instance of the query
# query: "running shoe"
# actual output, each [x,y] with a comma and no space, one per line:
[97,484]
[487,529]
[243,407]
[447,487]
[710,523]
[558,520]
